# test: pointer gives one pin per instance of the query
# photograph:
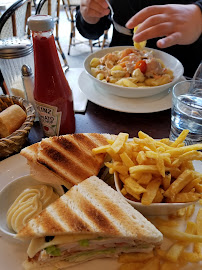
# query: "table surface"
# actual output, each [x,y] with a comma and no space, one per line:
[101,120]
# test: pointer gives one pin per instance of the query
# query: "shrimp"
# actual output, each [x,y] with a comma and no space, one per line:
[126,52]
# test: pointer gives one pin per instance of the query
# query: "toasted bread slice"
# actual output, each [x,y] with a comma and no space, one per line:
[66,160]
[92,207]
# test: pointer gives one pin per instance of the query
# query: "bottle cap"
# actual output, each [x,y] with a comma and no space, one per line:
[40,23]
[26,70]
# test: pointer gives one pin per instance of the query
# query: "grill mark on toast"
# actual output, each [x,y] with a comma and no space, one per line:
[81,155]
[56,161]
[98,218]
[133,224]
[69,158]
[43,223]
[101,200]
[70,218]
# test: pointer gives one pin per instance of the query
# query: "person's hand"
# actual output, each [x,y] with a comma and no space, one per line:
[177,24]
[93,10]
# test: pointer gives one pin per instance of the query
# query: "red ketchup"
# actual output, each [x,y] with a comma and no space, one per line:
[52,94]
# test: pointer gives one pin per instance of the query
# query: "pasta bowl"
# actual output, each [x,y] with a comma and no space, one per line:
[169,61]
[9,194]
[154,209]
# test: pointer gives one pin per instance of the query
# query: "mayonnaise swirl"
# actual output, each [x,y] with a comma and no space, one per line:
[29,204]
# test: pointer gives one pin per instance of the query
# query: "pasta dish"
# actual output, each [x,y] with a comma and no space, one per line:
[131,68]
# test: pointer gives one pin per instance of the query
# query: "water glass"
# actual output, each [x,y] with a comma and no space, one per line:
[186,111]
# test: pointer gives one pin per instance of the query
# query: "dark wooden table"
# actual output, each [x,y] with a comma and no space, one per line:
[101,120]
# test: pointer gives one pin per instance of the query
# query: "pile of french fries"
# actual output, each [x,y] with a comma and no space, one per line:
[184,248]
[155,171]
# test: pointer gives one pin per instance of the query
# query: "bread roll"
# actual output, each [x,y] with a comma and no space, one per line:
[11,119]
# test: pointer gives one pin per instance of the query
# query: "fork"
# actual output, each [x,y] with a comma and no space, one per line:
[118,27]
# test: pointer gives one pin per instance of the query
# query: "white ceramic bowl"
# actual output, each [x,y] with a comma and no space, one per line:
[131,92]
[11,191]
[154,209]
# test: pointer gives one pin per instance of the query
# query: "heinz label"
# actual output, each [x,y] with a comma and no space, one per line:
[50,118]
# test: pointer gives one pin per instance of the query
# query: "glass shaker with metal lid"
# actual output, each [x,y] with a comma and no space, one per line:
[14,53]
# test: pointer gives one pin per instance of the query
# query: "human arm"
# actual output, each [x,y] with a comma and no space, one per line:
[177,24]
[85,23]
[93,10]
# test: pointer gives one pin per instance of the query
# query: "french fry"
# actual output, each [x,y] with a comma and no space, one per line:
[199,222]
[180,138]
[126,160]
[175,251]
[145,159]
[186,197]
[151,192]
[159,196]
[191,185]
[165,222]
[198,188]
[191,257]
[144,178]
[135,257]
[191,155]
[198,246]
[166,181]
[169,266]
[181,212]
[130,191]
[113,155]
[160,165]
[100,149]
[137,189]
[172,233]
[132,266]
[119,141]
[141,158]
[152,264]
[190,210]
[144,168]
[175,152]
[182,180]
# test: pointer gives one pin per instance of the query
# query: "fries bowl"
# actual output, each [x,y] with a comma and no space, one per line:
[154,209]
[134,92]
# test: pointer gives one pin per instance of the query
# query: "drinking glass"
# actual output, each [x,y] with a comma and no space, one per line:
[186,111]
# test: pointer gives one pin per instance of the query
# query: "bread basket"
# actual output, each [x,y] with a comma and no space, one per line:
[14,142]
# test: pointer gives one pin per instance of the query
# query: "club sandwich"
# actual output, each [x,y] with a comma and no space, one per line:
[66,160]
[90,221]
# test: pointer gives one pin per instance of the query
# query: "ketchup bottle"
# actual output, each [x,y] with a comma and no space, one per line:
[52,94]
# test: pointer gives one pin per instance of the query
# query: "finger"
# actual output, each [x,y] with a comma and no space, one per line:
[169,41]
[160,30]
[96,8]
[141,16]
[95,11]
[152,21]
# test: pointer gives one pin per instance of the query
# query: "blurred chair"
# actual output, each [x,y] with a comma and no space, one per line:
[52,8]
[70,10]
[13,22]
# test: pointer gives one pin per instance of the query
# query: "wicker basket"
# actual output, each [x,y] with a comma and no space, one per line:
[14,142]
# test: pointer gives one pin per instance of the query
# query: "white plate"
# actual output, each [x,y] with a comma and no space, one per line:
[13,252]
[135,92]
[155,103]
